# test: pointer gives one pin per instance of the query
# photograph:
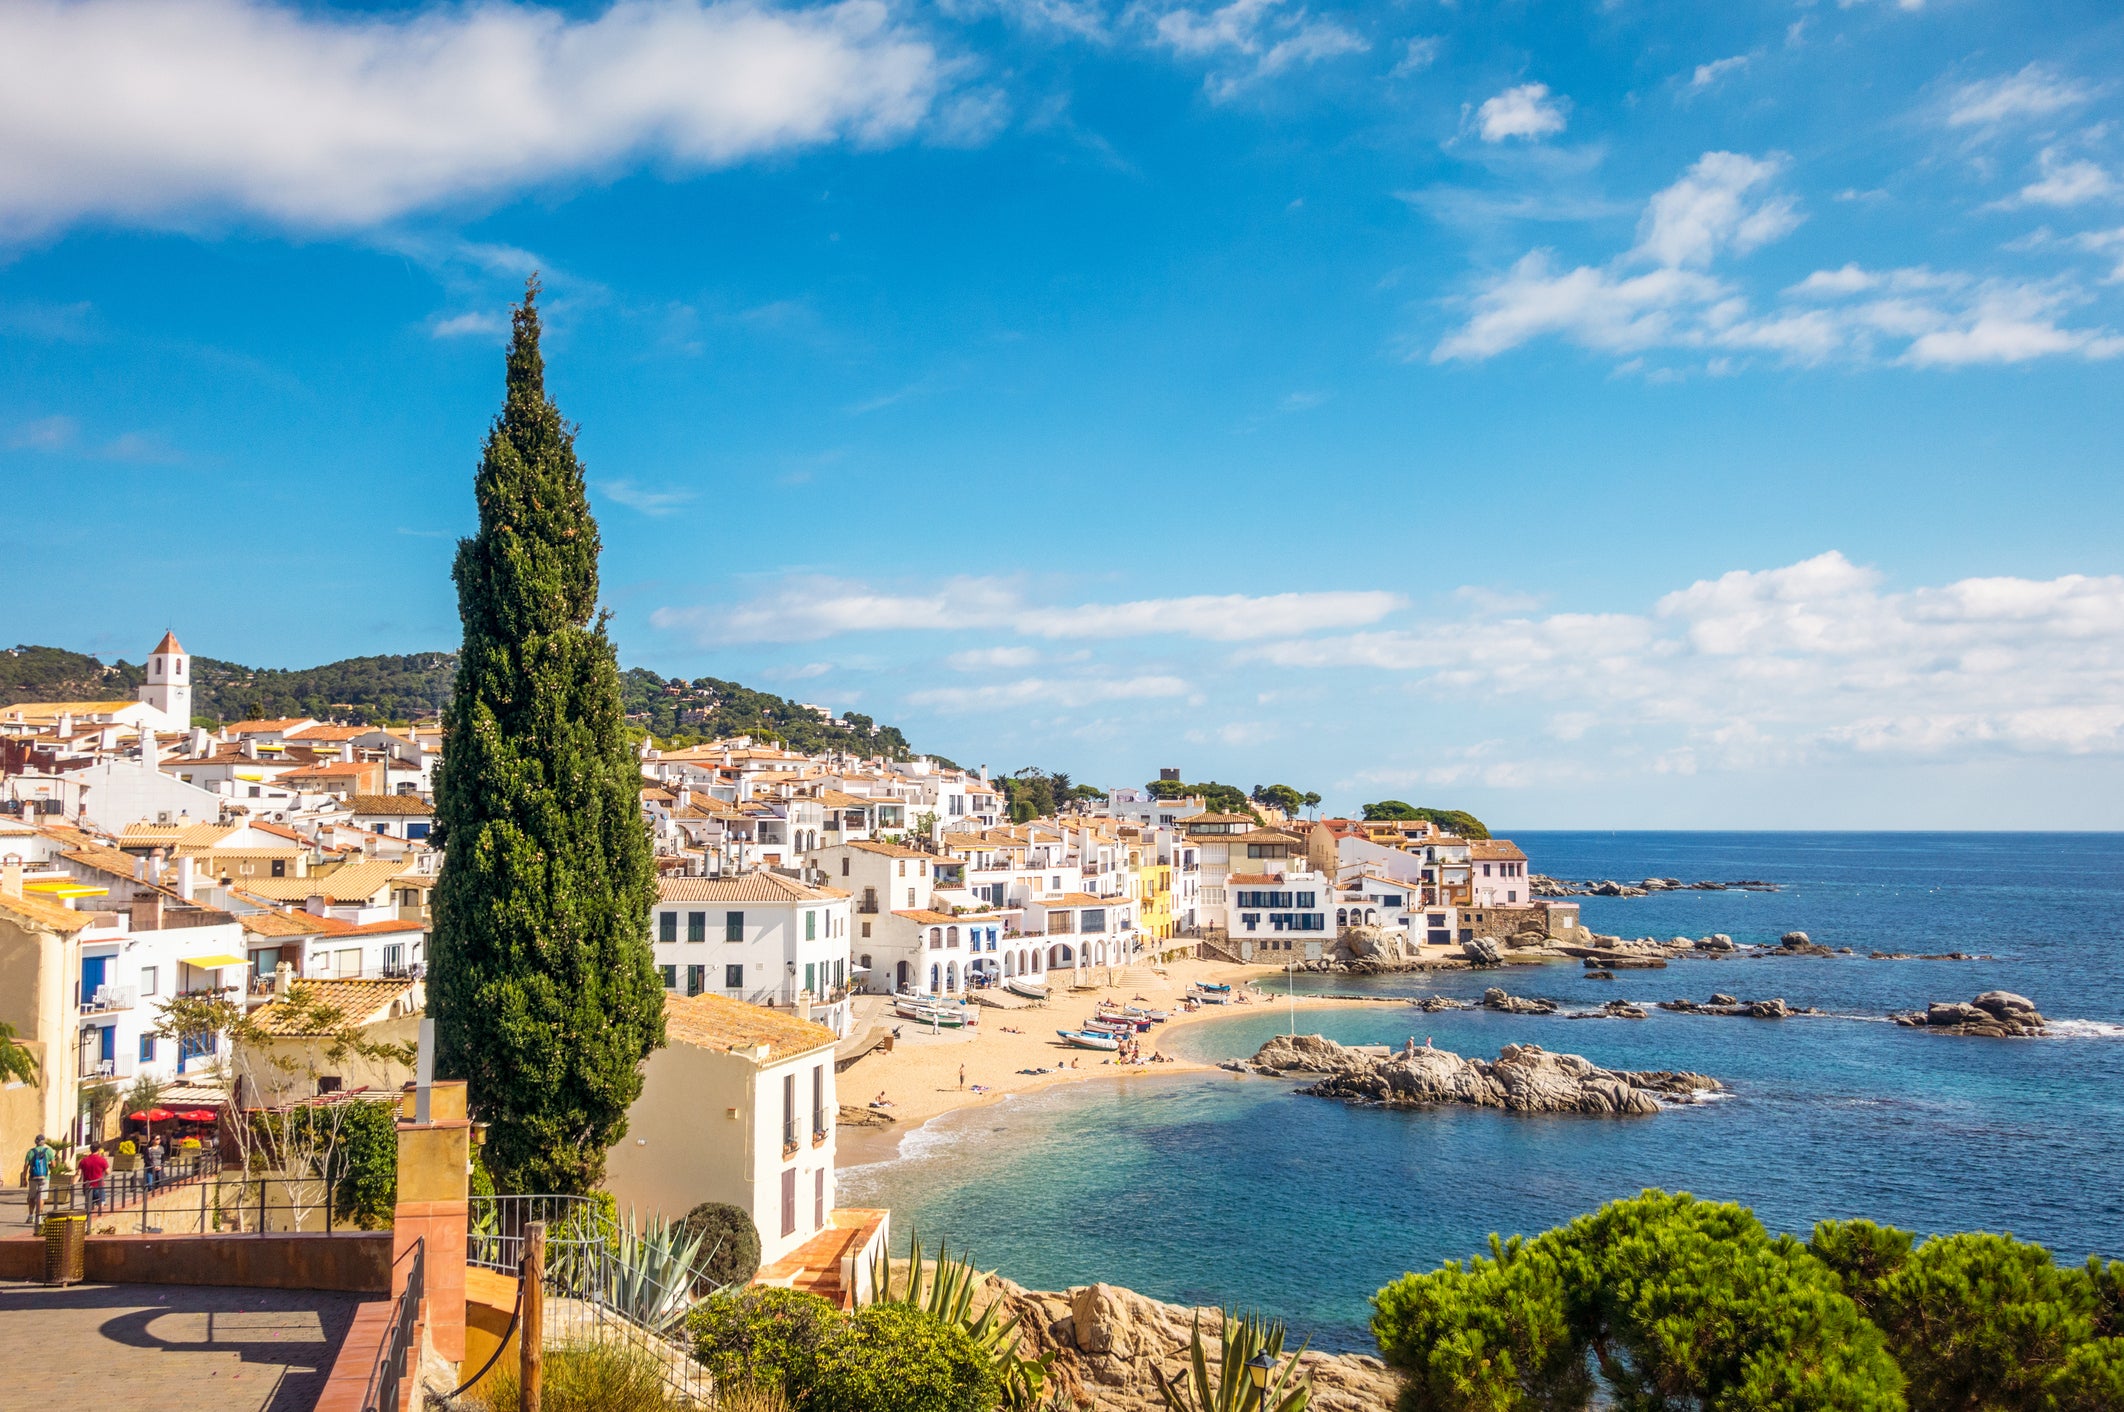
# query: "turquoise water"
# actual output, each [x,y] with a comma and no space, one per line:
[1226,1189]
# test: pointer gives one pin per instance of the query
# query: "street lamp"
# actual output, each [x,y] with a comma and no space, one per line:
[1258,1369]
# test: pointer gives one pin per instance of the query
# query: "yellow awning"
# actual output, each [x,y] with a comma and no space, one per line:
[214,963]
[64,889]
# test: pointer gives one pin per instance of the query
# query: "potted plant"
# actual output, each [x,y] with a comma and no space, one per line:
[127,1157]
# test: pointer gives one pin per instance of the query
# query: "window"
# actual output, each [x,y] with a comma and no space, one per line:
[734,977]
[910,897]
[866,930]
[733,926]
[696,979]
[280,867]
[667,926]
[670,977]
[789,1202]
[394,956]
[789,1127]
[844,865]
[696,926]
[818,1100]
[1250,920]
[811,926]
[864,960]
[903,867]
[811,977]
[147,1049]
[419,830]
[818,1215]
[148,977]
[380,828]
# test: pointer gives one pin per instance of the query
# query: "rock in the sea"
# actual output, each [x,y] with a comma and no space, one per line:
[1110,1345]
[1613,1010]
[1998,1014]
[1496,999]
[1600,975]
[1720,998]
[1727,1005]
[1796,944]
[1718,941]
[1524,1078]
[1794,939]
[1432,1004]
[1482,950]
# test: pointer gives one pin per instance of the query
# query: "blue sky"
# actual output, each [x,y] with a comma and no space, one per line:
[1617,414]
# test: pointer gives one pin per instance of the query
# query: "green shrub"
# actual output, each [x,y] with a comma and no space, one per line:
[587,1377]
[763,1335]
[730,1245]
[897,1358]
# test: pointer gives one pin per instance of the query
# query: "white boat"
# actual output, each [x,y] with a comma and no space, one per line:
[1089,1039]
[1031,990]
[948,1017]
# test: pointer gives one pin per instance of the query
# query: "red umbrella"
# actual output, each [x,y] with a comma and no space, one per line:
[152,1115]
[200,1115]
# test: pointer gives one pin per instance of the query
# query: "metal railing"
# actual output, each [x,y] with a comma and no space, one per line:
[396,1353]
[119,1191]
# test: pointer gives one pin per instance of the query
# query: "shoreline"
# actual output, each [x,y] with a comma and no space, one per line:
[920,1076]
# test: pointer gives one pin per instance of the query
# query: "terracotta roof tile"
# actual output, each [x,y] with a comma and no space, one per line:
[744,887]
[716,1022]
[345,1003]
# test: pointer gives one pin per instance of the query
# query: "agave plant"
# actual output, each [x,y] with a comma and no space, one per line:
[946,1290]
[649,1272]
[1246,1337]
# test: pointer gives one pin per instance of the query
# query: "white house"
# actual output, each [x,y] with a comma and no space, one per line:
[757,937]
[739,1106]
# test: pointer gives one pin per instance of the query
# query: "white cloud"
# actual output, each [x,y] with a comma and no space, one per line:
[2037,91]
[1716,207]
[1526,111]
[1708,74]
[470,325]
[1725,206]
[163,110]
[1418,55]
[812,610]
[44,434]
[1058,693]
[984,659]
[1814,658]
[640,497]
[2066,182]
[1250,40]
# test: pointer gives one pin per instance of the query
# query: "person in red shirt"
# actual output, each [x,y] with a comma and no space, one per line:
[94,1167]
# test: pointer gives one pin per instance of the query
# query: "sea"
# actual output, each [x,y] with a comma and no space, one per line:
[1223,1189]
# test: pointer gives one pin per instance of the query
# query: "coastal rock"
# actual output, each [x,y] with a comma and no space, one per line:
[1717,941]
[1722,1004]
[1613,1010]
[852,1116]
[1432,1004]
[1110,1345]
[1997,1014]
[1496,999]
[1794,939]
[1797,944]
[1524,1078]
[1482,950]
[1600,975]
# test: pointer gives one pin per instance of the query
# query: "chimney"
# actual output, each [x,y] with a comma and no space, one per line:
[202,743]
[66,724]
[140,870]
[150,758]
[11,875]
[316,904]
[186,868]
[250,747]
[346,752]
[283,980]
[147,912]
[155,865]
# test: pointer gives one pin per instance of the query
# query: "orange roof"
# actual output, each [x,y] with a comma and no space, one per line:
[169,643]
[716,1022]
[390,804]
[43,912]
[1252,879]
[1080,899]
[1484,849]
[744,887]
[337,1004]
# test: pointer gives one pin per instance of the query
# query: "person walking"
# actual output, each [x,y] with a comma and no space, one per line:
[94,1168]
[152,1161]
[37,1174]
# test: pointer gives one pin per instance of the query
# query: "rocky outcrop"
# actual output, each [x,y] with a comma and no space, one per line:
[1483,951]
[1797,944]
[1110,1345]
[1613,1010]
[1930,956]
[852,1116]
[1496,999]
[1432,1004]
[1722,1004]
[1524,1078]
[1543,885]
[1998,1014]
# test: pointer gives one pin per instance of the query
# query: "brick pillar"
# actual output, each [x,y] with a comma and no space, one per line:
[434,1182]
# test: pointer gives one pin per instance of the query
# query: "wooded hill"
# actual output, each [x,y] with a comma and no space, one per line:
[416,686]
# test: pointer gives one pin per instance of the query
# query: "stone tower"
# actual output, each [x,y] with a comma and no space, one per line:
[169,682]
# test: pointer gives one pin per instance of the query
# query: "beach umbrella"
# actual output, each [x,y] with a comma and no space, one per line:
[200,1115]
[152,1115]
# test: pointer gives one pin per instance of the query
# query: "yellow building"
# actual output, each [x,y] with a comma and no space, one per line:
[1154,900]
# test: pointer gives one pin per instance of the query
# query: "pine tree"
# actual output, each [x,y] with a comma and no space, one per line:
[542,982]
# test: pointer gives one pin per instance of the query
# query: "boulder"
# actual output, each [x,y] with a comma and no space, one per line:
[1600,975]
[1496,999]
[1613,1010]
[2005,1004]
[1432,1004]
[1794,939]
[1482,950]
[1109,1346]
[1720,998]
[1718,942]
[1524,1078]
[1994,1014]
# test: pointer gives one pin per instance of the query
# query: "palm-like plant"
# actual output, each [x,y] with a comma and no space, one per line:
[1246,1337]
[946,1290]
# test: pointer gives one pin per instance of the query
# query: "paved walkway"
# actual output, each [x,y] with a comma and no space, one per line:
[200,1348]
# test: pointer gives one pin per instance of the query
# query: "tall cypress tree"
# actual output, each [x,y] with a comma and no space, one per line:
[542,983]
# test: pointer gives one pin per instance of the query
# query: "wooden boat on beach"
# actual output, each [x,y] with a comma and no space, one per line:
[1090,1039]
[1214,987]
[1031,990]
[943,1016]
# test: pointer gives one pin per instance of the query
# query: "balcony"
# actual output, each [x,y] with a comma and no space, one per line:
[110,998]
[92,1068]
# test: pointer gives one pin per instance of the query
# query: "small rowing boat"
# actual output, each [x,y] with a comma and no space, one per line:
[1219,989]
[1090,1039]
[1031,990]
[948,1017]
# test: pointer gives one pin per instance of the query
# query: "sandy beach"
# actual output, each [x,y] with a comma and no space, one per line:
[921,1077]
